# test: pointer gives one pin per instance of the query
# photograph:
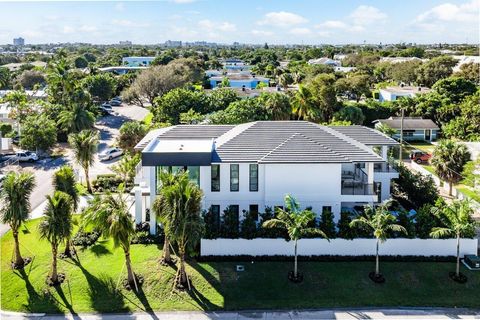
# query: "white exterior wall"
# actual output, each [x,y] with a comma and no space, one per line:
[339,247]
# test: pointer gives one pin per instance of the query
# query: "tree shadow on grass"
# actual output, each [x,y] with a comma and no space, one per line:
[196,295]
[102,291]
[67,303]
[99,250]
[140,294]
[37,302]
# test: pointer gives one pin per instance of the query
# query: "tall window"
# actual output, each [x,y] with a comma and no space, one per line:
[253,177]
[234,177]
[193,173]
[215,169]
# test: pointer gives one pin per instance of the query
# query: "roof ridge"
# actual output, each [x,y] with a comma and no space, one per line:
[234,131]
[281,144]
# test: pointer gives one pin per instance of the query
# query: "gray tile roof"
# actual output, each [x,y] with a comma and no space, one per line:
[409,123]
[281,142]
[365,135]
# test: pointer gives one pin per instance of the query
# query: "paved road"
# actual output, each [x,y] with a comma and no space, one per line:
[108,126]
[384,314]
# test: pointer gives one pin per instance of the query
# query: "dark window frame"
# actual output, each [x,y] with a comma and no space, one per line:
[253,180]
[212,188]
[234,187]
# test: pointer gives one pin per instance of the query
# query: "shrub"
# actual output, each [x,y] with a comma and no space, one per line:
[108,182]
[271,232]
[327,225]
[344,229]
[229,227]
[5,128]
[85,239]
[248,226]
[212,224]
[405,220]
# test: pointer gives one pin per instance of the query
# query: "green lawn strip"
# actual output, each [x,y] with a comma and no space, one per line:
[90,285]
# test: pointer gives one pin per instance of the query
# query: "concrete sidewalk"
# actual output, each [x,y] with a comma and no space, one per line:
[387,314]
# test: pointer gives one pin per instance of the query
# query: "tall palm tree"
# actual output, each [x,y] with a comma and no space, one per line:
[448,161]
[56,226]
[380,222]
[277,105]
[303,104]
[15,199]
[162,209]
[75,119]
[110,215]
[84,145]
[186,226]
[459,223]
[296,222]
[64,181]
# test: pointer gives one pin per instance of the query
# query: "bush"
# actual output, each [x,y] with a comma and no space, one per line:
[229,227]
[344,229]
[248,226]
[144,237]
[327,225]
[85,239]
[5,128]
[108,182]
[271,232]
[212,225]
[405,220]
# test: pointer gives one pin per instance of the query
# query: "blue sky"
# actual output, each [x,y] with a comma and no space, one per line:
[245,21]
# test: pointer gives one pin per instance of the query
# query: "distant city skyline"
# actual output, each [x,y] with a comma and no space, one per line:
[251,22]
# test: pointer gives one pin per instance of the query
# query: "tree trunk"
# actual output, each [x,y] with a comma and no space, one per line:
[377,264]
[166,251]
[130,275]
[457,271]
[54,274]
[295,270]
[450,187]
[68,251]
[182,274]
[89,187]
[19,262]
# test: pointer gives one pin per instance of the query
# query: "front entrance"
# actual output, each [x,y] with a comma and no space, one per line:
[428,134]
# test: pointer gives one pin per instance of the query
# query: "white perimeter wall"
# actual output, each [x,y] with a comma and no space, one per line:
[339,247]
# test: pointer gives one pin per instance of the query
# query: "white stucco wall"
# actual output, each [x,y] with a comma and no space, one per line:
[340,247]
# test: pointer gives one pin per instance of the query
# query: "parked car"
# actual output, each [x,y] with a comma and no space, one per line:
[110,154]
[118,98]
[420,156]
[16,140]
[26,156]
[105,111]
[106,105]
[115,103]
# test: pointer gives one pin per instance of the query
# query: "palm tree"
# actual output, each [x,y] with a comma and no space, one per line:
[15,199]
[64,181]
[186,226]
[458,220]
[110,215]
[56,227]
[75,119]
[296,222]
[278,105]
[126,167]
[380,221]
[84,146]
[448,161]
[303,105]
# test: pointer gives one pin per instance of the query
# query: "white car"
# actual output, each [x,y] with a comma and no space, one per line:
[110,154]
[26,156]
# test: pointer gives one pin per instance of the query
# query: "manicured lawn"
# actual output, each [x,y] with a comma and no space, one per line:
[92,281]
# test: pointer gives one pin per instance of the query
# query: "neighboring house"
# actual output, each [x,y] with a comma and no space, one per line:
[463,60]
[344,69]
[401,59]
[239,80]
[137,61]
[251,166]
[394,93]
[121,69]
[234,65]
[213,73]
[325,61]
[413,128]
[17,65]
[31,94]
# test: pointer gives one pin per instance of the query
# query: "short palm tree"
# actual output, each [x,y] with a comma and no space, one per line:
[64,180]
[15,199]
[162,209]
[84,145]
[296,222]
[56,227]
[75,119]
[278,105]
[448,161]
[110,216]
[186,225]
[459,223]
[303,105]
[380,222]
[125,168]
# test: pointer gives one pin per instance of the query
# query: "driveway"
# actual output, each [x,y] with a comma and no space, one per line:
[108,127]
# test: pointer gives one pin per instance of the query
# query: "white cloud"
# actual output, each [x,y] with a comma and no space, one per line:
[366,15]
[300,31]
[222,26]
[87,28]
[325,34]
[261,33]
[119,6]
[467,12]
[282,19]
[333,24]
[68,30]
[129,23]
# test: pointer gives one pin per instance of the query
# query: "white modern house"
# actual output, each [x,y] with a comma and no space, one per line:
[254,165]
[396,92]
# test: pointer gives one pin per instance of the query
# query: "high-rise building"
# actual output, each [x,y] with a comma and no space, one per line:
[18,41]
[125,43]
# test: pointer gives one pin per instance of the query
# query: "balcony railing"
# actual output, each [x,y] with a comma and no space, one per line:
[352,187]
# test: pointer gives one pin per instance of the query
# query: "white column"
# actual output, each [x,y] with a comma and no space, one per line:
[153,194]
[138,205]
[385,153]
[369,167]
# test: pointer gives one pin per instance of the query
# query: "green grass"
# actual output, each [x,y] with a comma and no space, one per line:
[91,283]
[475,195]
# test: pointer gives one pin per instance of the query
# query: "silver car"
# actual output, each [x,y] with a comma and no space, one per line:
[110,154]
